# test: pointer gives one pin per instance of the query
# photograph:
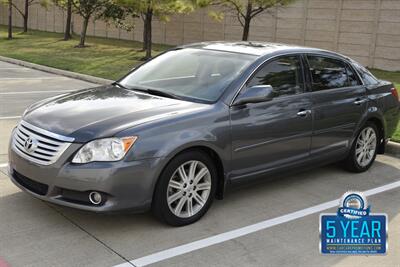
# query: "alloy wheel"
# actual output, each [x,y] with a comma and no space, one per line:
[365,146]
[189,189]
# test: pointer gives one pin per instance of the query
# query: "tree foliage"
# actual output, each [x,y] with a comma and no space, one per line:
[118,10]
[246,10]
[161,8]
[147,10]
[95,9]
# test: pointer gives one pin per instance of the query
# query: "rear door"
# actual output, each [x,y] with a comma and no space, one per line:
[339,101]
[276,133]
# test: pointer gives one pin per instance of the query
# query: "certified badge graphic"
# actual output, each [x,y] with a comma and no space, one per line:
[353,229]
[353,205]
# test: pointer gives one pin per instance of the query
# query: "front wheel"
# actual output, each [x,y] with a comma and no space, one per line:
[364,149]
[186,189]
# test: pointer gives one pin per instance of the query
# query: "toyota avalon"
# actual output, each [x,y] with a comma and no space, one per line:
[172,134]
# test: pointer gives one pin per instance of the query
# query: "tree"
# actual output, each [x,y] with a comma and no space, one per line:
[94,9]
[66,5]
[25,13]
[10,6]
[246,10]
[150,9]
[67,32]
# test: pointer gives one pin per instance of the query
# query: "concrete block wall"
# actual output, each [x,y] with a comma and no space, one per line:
[366,30]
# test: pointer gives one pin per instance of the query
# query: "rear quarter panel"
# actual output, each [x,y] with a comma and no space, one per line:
[384,106]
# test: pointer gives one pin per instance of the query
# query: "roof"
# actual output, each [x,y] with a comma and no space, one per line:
[252,48]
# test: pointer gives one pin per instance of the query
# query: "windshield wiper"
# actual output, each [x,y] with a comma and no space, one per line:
[157,92]
[119,85]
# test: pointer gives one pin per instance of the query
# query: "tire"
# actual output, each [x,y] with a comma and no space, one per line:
[353,162]
[181,192]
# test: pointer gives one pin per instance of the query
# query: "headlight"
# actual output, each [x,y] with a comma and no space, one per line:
[107,149]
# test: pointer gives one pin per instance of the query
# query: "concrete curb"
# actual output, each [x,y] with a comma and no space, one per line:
[65,73]
[393,149]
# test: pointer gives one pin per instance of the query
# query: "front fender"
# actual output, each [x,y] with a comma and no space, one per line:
[165,139]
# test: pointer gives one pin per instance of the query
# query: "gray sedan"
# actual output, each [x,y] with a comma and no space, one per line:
[177,130]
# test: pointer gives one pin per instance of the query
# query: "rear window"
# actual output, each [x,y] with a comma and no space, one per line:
[327,73]
[365,75]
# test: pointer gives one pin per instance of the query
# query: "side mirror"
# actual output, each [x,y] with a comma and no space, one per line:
[255,94]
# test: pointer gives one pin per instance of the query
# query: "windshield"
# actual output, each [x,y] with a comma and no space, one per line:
[192,74]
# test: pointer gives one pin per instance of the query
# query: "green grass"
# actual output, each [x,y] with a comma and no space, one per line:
[394,77]
[105,58]
[396,135]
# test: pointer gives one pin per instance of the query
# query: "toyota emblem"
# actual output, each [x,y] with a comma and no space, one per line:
[30,144]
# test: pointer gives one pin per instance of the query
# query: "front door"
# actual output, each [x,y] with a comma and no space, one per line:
[275,133]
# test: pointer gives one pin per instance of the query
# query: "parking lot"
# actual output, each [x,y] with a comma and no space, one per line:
[271,223]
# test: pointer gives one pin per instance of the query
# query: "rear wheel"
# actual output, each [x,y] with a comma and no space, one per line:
[186,189]
[364,149]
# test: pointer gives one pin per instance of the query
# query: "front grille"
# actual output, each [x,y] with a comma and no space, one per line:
[38,145]
[35,187]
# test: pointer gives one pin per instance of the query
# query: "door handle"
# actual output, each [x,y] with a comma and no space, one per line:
[359,101]
[303,113]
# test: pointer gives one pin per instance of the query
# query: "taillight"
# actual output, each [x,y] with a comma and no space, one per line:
[395,93]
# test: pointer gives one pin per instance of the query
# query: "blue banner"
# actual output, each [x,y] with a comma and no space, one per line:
[364,235]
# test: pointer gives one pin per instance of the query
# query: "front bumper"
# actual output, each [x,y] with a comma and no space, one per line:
[124,185]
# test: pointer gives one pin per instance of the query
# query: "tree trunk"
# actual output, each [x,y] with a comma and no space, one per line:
[247,20]
[10,19]
[26,16]
[83,32]
[144,33]
[147,34]
[67,33]
[246,29]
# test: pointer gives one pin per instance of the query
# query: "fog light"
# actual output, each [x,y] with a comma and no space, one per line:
[95,198]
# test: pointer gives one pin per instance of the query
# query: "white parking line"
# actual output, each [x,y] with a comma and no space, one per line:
[219,238]
[10,118]
[36,92]
[3,165]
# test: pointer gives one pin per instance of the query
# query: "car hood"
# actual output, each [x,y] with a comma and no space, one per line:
[103,112]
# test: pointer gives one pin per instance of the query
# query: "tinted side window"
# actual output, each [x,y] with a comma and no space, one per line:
[327,73]
[283,74]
